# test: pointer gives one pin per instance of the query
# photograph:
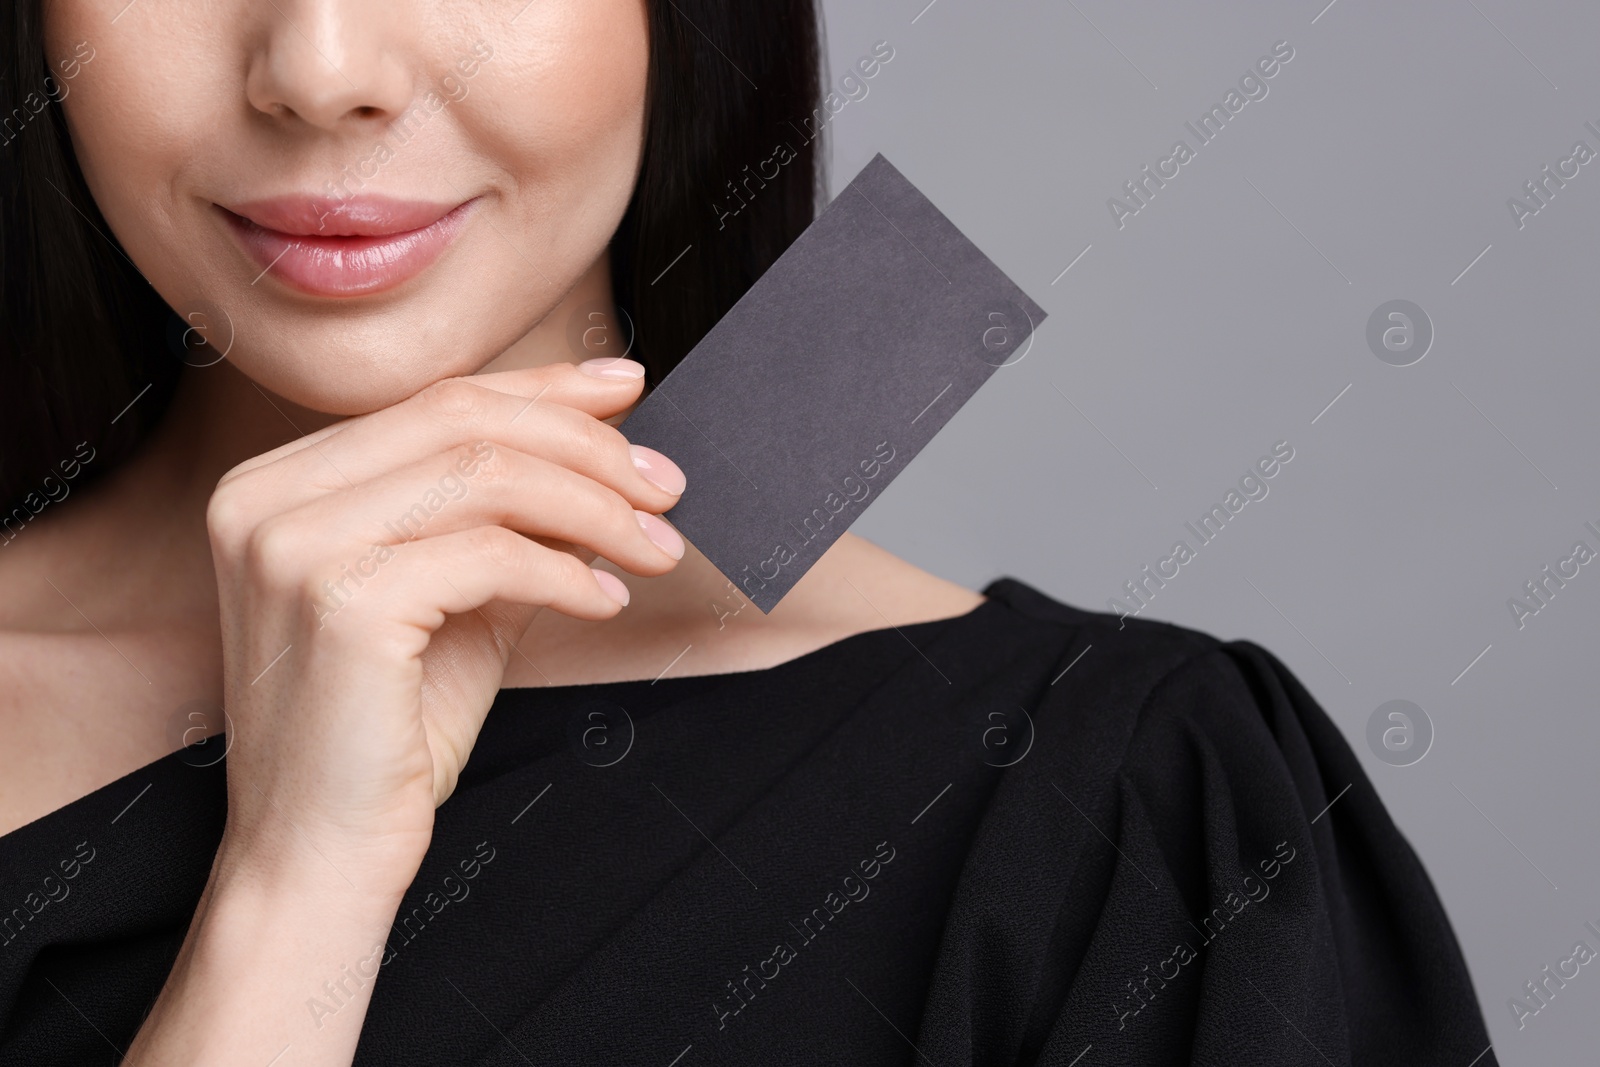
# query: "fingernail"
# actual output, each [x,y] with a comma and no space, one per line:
[613,586]
[658,469]
[614,367]
[661,533]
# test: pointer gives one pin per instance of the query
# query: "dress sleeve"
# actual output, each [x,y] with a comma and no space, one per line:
[1192,868]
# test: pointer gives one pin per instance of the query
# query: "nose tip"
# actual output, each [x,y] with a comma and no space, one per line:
[323,69]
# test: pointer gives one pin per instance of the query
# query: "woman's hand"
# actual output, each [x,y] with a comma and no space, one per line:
[373,579]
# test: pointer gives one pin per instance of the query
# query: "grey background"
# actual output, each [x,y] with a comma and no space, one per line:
[1228,314]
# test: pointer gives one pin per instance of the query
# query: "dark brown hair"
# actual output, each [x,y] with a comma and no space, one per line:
[82,334]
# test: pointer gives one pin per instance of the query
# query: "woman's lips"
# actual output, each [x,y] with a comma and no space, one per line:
[344,248]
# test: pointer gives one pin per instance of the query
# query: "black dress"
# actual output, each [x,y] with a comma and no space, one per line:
[1026,835]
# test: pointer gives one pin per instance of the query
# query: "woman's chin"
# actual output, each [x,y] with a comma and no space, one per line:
[346,381]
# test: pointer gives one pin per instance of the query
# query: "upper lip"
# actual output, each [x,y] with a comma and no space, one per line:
[356,216]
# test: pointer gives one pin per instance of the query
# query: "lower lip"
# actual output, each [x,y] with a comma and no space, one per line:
[346,266]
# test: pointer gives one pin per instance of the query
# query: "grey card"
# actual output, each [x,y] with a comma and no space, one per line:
[827,377]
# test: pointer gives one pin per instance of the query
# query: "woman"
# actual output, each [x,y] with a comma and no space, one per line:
[276,275]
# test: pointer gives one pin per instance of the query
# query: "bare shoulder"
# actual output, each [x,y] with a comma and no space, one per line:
[694,621]
[859,585]
[855,587]
[70,713]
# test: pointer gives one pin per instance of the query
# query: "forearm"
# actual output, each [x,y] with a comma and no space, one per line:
[280,955]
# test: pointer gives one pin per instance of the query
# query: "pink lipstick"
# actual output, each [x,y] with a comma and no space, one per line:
[352,247]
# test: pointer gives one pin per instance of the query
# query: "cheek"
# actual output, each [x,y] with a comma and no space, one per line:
[138,125]
[568,109]
[125,105]
[112,127]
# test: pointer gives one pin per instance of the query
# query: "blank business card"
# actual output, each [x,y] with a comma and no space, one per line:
[827,378]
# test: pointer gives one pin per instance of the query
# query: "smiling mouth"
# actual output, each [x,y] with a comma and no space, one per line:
[345,248]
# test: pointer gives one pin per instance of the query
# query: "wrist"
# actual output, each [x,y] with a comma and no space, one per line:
[280,865]
[284,949]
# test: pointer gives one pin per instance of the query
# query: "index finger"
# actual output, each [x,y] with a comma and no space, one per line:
[601,387]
